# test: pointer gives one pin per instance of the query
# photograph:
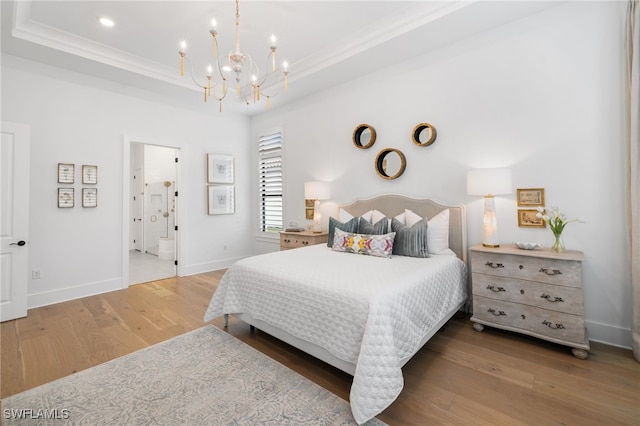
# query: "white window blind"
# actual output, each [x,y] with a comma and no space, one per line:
[270,175]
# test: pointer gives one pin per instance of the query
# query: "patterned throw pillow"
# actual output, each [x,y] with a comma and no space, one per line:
[350,226]
[371,245]
[410,240]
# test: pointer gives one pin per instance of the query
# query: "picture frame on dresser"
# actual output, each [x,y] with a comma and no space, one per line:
[527,219]
[530,197]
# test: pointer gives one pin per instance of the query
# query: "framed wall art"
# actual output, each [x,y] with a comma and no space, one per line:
[89,197]
[66,172]
[530,197]
[220,199]
[219,168]
[528,219]
[65,198]
[89,175]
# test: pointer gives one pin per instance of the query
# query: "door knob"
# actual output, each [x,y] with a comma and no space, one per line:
[19,243]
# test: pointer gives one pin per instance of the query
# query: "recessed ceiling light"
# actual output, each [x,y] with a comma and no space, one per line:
[106,21]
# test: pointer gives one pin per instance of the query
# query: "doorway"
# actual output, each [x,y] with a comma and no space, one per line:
[153,206]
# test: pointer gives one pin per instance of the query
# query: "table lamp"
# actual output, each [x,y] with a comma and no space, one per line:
[489,182]
[316,191]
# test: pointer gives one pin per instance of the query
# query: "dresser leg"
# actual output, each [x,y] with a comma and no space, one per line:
[477,326]
[579,353]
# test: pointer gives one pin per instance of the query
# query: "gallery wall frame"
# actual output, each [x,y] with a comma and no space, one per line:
[89,197]
[220,199]
[66,197]
[66,173]
[220,168]
[89,174]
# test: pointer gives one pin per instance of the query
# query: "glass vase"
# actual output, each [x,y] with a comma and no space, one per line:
[558,243]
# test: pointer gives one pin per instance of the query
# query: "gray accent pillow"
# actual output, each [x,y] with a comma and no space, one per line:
[410,240]
[351,226]
[379,228]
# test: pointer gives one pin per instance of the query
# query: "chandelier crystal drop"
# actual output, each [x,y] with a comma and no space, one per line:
[239,69]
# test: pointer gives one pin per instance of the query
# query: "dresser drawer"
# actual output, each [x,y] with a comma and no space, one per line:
[538,322]
[291,240]
[553,297]
[545,270]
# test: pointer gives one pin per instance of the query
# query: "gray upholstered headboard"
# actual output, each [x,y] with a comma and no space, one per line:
[392,205]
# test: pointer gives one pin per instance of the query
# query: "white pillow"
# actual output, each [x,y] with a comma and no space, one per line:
[401,218]
[437,231]
[372,216]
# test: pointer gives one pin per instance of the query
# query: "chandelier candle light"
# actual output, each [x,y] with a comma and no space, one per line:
[237,65]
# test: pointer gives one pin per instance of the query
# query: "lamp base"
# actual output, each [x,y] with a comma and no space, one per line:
[490,245]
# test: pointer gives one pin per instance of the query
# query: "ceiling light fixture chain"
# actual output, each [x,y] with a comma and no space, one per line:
[236,65]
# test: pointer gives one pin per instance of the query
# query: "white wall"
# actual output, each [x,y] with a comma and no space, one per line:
[542,95]
[79,119]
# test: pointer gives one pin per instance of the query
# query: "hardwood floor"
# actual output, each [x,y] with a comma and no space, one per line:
[460,377]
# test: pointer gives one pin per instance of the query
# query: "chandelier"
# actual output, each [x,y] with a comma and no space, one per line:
[236,67]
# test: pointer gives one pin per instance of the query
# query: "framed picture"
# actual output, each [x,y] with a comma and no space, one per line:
[89,197]
[66,173]
[65,198]
[89,175]
[528,219]
[308,209]
[219,168]
[220,199]
[530,197]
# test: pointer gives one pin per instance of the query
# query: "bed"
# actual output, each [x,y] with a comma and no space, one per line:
[366,315]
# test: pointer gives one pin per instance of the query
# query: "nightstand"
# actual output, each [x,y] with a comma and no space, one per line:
[535,292]
[290,240]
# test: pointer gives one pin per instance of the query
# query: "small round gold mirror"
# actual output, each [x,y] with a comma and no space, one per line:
[364,136]
[390,163]
[424,134]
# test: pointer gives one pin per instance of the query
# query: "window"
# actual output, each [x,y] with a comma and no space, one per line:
[270,181]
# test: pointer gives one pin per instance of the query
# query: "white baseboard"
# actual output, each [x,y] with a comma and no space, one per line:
[36,300]
[609,334]
[209,266]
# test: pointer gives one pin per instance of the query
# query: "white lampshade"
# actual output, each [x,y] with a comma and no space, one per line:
[494,181]
[316,190]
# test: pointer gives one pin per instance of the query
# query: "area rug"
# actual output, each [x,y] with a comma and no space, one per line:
[205,377]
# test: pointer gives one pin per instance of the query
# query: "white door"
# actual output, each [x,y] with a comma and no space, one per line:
[14,220]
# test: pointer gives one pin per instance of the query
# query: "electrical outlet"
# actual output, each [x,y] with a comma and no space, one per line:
[35,274]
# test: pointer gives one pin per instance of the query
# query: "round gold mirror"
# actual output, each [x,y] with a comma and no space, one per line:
[390,163]
[364,136]
[424,134]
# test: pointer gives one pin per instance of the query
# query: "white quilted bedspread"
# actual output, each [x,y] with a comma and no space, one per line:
[369,311]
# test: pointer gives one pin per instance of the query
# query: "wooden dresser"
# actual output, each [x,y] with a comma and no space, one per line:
[535,292]
[290,240]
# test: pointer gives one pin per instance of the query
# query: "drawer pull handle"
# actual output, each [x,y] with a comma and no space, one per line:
[287,241]
[305,243]
[551,299]
[549,271]
[520,267]
[494,266]
[498,314]
[556,326]
[495,289]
